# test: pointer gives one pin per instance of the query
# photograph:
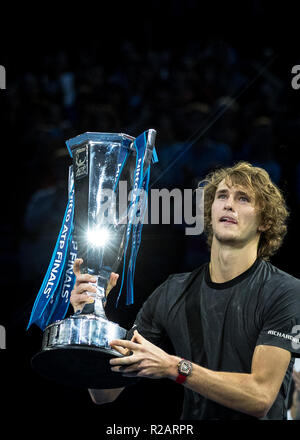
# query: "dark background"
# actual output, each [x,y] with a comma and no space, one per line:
[127,67]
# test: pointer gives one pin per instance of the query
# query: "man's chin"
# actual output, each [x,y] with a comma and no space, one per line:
[226,238]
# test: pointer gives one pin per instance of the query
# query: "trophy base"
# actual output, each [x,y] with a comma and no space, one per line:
[82,367]
[76,352]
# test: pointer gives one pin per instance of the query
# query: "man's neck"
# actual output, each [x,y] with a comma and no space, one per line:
[227,262]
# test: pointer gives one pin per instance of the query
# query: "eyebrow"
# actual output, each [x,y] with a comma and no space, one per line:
[238,192]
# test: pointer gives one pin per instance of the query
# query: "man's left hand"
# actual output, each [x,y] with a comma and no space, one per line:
[145,360]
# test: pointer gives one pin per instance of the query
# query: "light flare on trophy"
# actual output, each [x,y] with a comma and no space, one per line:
[98,237]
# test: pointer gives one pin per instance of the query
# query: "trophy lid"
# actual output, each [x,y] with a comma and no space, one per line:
[96,137]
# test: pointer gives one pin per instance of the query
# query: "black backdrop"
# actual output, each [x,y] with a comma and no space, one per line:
[176,32]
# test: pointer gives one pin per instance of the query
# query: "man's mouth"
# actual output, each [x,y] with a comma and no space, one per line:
[226,219]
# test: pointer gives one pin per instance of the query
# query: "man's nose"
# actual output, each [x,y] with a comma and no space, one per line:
[228,204]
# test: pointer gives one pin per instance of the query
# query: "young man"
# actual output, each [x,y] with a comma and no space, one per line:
[233,321]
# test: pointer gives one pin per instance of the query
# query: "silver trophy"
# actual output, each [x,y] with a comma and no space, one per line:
[76,351]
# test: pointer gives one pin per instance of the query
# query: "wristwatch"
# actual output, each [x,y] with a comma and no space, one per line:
[184,370]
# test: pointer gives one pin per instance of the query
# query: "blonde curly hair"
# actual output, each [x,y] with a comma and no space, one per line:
[268,198]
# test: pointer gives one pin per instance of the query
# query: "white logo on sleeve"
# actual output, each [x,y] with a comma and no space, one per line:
[294,339]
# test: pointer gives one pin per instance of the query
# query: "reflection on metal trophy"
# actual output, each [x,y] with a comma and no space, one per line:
[75,350]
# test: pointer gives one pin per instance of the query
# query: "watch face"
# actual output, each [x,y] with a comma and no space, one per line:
[185,367]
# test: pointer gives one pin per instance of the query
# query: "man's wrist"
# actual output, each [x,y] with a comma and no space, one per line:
[172,372]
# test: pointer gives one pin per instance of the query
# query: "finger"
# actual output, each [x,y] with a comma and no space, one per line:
[85,287]
[121,350]
[85,277]
[138,338]
[124,343]
[126,369]
[76,266]
[79,276]
[79,296]
[112,282]
[86,299]
[82,298]
[137,374]
[113,278]
[126,360]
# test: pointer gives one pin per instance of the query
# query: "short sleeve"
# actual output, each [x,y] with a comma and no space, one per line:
[150,319]
[281,319]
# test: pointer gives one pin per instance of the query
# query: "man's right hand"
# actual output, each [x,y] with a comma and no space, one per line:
[79,297]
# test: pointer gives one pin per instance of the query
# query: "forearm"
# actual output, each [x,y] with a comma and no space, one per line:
[237,391]
[99,397]
[295,408]
[253,394]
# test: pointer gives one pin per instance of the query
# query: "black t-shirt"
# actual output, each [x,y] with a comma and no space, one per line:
[218,325]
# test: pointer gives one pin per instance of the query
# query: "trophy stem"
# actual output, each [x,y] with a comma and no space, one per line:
[99,299]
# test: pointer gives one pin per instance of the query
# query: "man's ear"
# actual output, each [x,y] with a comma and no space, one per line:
[263,228]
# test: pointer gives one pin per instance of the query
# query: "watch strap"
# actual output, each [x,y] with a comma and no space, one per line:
[181,378]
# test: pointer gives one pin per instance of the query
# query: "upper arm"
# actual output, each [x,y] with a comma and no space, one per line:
[150,320]
[104,396]
[269,365]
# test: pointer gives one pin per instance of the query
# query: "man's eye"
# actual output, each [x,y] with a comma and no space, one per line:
[221,196]
[244,199]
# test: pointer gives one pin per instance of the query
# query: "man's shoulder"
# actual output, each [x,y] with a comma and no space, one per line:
[170,291]
[177,283]
[178,278]
[184,277]
[278,286]
[279,277]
